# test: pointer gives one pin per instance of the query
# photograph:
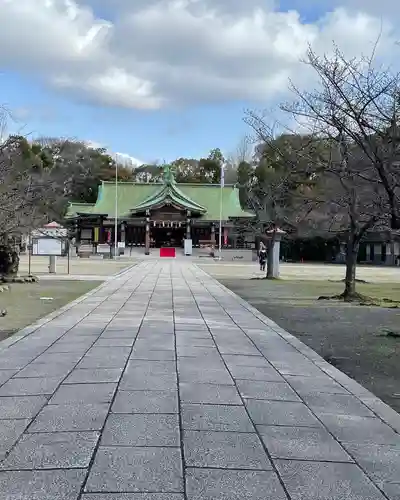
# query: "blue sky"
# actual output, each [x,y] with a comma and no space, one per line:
[148,135]
[179,73]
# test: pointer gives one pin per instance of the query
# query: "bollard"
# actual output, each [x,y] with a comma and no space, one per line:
[52,264]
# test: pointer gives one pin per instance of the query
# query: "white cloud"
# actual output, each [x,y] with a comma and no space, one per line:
[127,160]
[156,53]
[122,158]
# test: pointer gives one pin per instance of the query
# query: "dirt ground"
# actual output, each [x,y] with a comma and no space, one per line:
[353,338]
[85,267]
[26,303]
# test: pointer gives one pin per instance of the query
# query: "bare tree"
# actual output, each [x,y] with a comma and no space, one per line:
[320,185]
[346,203]
[275,183]
[25,196]
[359,101]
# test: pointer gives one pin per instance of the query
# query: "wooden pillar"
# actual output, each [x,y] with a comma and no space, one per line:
[213,233]
[188,231]
[147,238]
[101,231]
[78,231]
[225,236]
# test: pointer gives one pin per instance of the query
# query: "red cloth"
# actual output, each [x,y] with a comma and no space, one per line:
[167,252]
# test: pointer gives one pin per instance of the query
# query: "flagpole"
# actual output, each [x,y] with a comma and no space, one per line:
[220,211]
[116,210]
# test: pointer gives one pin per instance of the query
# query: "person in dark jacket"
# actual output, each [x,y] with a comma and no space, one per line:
[262,258]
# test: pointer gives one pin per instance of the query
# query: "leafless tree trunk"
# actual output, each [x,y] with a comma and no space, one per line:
[353,246]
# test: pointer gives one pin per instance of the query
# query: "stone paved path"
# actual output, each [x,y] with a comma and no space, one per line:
[162,385]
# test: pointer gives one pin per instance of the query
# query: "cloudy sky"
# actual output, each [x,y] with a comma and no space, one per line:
[157,79]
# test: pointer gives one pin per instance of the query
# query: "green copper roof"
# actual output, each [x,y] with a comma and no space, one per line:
[203,199]
[169,194]
[78,208]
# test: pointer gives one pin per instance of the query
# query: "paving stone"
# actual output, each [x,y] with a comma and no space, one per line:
[136,367]
[10,431]
[152,354]
[59,358]
[44,370]
[281,413]
[290,366]
[120,334]
[392,490]
[209,394]
[141,430]
[114,342]
[330,481]
[70,417]
[55,450]
[315,385]
[228,450]
[20,406]
[9,362]
[146,402]
[214,484]
[140,456]
[200,363]
[380,462]
[302,443]
[204,353]
[240,360]
[83,393]
[254,389]
[30,386]
[41,485]
[132,496]
[353,429]
[196,374]
[266,373]
[151,343]
[104,361]
[242,348]
[216,418]
[94,375]
[338,404]
[146,381]
[6,375]
[67,348]
[136,470]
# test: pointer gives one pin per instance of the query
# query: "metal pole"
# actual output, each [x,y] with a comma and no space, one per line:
[116,209]
[29,253]
[68,256]
[220,213]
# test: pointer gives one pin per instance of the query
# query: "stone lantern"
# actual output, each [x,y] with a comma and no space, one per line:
[274,237]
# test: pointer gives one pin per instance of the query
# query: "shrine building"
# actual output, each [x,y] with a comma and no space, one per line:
[157,215]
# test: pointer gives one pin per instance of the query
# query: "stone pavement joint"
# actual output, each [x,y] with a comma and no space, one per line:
[164,385]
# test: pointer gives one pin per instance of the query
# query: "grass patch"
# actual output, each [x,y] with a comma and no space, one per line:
[304,292]
[26,303]
[372,294]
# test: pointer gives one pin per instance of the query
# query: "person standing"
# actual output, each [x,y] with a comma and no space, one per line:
[262,256]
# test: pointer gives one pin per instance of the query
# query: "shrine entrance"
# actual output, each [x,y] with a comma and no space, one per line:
[167,237]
